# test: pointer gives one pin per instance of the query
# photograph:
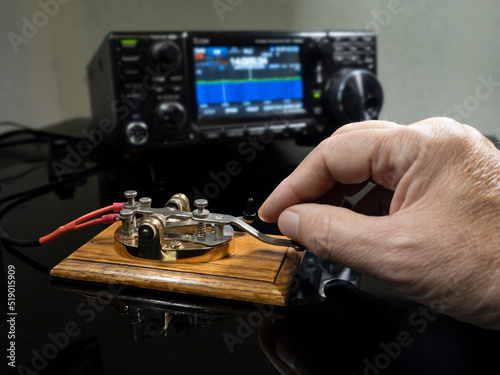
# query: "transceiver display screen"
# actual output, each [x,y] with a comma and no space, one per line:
[247,81]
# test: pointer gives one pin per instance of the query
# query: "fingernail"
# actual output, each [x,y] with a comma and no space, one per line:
[288,223]
[261,216]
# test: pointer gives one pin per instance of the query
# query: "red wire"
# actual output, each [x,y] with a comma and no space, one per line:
[89,223]
[79,223]
[94,213]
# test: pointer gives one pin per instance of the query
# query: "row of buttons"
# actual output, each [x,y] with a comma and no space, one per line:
[137,132]
[353,58]
[353,47]
[162,84]
[354,39]
[241,132]
[355,50]
[130,57]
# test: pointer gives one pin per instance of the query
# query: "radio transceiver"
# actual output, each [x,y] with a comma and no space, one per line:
[157,90]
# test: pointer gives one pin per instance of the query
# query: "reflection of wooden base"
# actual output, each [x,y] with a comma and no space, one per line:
[255,272]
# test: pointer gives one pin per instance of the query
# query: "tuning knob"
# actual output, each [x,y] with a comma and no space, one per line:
[171,115]
[354,95]
[167,54]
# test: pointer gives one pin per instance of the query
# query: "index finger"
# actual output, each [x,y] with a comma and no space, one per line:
[349,156]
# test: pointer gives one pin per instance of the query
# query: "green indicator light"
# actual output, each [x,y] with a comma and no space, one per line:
[128,41]
[317,95]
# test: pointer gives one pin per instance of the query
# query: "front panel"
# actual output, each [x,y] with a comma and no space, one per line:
[179,88]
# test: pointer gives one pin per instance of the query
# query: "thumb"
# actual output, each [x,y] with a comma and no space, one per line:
[354,240]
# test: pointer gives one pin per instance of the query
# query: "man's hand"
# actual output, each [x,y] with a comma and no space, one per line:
[439,183]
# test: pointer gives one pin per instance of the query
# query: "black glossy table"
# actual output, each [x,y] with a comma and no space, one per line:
[55,327]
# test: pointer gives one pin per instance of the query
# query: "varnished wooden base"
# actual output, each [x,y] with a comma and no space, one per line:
[255,272]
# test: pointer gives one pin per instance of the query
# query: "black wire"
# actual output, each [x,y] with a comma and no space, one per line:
[4,237]
[13,123]
[30,194]
[50,186]
[13,133]
[25,259]
[40,135]
[21,142]
[23,173]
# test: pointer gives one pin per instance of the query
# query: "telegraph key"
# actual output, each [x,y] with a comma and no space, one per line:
[176,249]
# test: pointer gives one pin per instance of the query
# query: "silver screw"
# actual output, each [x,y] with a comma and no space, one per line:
[145,202]
[126,214]
[200,212]
[127,217]
[130,195]
[200,205]
[175,244]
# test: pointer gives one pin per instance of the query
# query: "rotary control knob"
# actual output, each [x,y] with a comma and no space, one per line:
[137,133]
[354,95]
[167,54]
[171,115]
[325,47]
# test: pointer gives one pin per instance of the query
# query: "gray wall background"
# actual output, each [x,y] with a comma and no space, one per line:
[434,57]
